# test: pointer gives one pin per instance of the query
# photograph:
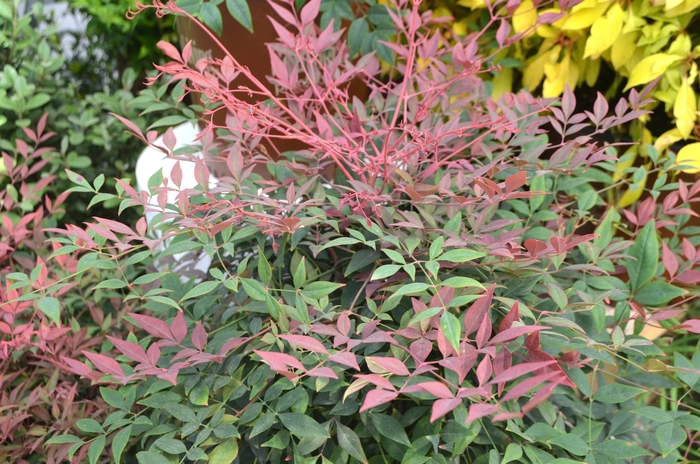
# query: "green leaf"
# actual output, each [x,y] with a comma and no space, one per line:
[96,449]
[171,446]
[350,442]
[172,120]
[395,256]
[211,17]
[461,256]
[5,11]
[263,423]
[61,439]
[339,242]
[264,268]
[160,399]
[452,329]
[361,259]
[690,421]
[111,284]
[415,287]
[356,33]
[302,425]
[670,436]
[202,289]
[657,293]
[37,100]
[224,453]
[513,453]
[388,270]
[199,395]
[181,412]
[51,308]
[241,12]
[119,443]
[653,413]
[616,393]
[391,428]
[641,267]
[113,398]
[149,457]
[461,282]
[571,443]
[620,450]
[90,426]
[317,290]
[254,289]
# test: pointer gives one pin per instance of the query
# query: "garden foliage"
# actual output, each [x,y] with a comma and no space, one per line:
[432,279]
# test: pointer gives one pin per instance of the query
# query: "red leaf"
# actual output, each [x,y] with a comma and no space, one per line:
[104,364]
[535,247]
[78,367]
[153,354]
[179,327]
[131,350]
[506,415]
[420,349]
[323,372]
[305,342]
[515,181]
[512,316]
[539,397]
[115,226]
[345,358]
[377,380]
[477,311]
[460,365]
[153,326]
[135,129]
[231,345]
[199,336]
[344,323]
[309,12]
[437,389]
[689,277]
[376,397]
[514,332]
[279,361]
[392,365]
[484,332]
[528,384]
[520,370]
[443,406]
[484,370]
[688,250]
[479,410]
[170,50]
[502,361]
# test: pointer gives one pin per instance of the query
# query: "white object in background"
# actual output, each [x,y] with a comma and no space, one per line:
[152,160]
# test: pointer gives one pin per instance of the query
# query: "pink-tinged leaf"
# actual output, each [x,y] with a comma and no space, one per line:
[689,250]
[153,354]
[133,127]
[512,316]
[437,389]
[104,364]
[201,174]
[520,370]
[539,397]
[326,372]
[305,342]
[532,341]
[479,410]
[170,50]
[475,315]
[443,406]
[375,398]
[231,345]
[392,365]
[199,336]
[324,329]
[176,174]
[153,326]
[115,226]
[171,374]
[513,333]
[344,323]
[377,380]
[179,327]
[345,358]
[309,12]
[279,69]
[669,259]
[503,32]
[515,181]
[484,370]
[528,384]
[420,349]
[279,361]
[77,367]
[689,277]
[379,337]
[131,350]
[460,365]
[484,332]
[501,362]
[506,415]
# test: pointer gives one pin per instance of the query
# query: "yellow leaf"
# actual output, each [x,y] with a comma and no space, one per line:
[547,32]
[633,193]
[524,17]
[534,72]
[689,155]
[650,68]
[684,109]
[686,7]
[558,75]
[592,72]
[629,157]
[667,139]
[502,83]
[681,46]
[472,3]
[604,32]
[442,12]
[584,17]
[460,28]
[623,49]
[670,4]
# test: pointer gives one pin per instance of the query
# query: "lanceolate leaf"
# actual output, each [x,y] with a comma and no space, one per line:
[350,442]
[641,267]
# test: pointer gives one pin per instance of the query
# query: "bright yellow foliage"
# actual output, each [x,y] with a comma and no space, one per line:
[524,17]
[650,68]
[604,32]
[689,155]
[684,109]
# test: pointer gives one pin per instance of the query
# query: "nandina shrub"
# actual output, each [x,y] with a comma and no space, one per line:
[430,280]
